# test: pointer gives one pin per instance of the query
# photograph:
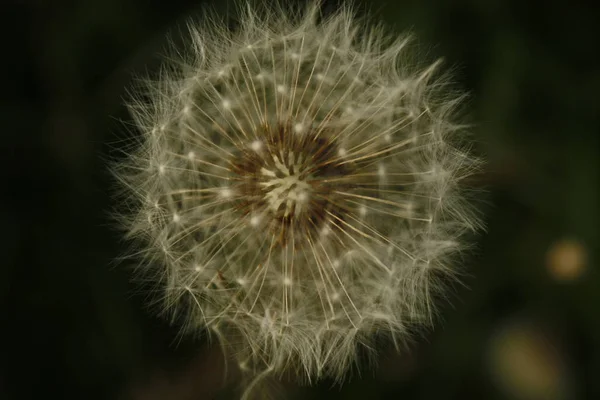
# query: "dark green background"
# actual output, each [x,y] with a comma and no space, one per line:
[72,326]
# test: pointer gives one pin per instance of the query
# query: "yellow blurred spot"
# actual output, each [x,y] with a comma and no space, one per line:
[566,260]
[526,364]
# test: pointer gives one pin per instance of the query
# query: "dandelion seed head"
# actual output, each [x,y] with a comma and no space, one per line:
[311,199]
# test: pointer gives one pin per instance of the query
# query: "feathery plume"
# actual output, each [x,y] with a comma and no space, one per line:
[295,190]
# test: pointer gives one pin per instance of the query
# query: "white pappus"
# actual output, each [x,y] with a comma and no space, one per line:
[294,189]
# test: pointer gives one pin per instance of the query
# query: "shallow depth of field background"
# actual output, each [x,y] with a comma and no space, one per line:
[526,324]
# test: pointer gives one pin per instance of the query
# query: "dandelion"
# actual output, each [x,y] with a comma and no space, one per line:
[294,190]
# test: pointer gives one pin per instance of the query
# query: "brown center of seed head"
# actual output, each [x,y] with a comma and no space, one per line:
[287,180]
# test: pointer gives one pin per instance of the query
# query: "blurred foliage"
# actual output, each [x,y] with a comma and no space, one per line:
[74,327]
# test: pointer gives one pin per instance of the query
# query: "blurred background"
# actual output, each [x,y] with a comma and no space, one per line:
[526,324]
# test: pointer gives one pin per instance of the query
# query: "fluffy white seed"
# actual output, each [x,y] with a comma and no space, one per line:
[299,204]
